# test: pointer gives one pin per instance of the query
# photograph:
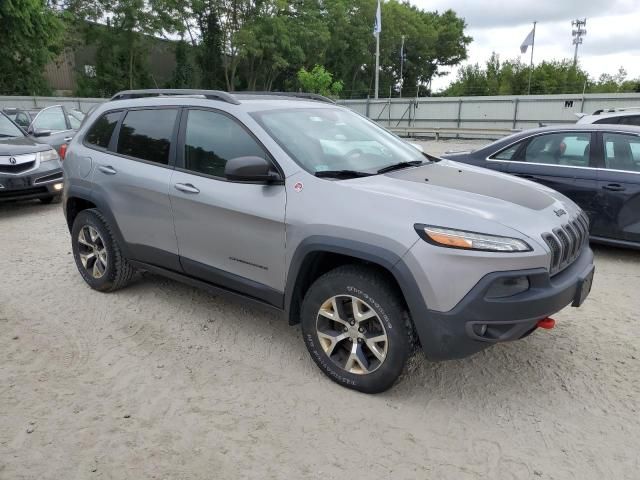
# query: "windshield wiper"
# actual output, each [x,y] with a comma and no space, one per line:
[401,165]
[342,174]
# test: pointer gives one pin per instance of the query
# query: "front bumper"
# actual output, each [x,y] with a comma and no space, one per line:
[457,333]
[40,183]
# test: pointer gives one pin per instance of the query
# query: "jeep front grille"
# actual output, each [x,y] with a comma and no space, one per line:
[566,243]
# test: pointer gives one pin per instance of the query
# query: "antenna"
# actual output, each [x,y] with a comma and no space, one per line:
[578,32]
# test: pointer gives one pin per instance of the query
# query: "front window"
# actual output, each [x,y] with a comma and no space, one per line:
[8,128]
[330,139]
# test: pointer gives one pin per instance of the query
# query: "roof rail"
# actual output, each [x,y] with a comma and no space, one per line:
[304,95]
[158,92]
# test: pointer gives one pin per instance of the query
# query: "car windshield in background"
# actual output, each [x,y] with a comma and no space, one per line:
[332,139]
[8,128]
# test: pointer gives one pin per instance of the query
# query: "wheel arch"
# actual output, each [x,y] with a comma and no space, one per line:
[78,199]
[319,254]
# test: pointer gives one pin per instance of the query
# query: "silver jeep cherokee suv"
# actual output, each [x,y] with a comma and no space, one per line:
[309,208]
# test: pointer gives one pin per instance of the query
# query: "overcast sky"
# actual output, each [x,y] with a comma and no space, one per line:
[612,40]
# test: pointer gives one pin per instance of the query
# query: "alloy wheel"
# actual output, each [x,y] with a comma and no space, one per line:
[92,251]
[351,334]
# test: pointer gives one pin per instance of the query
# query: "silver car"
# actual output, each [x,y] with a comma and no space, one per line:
[308,208]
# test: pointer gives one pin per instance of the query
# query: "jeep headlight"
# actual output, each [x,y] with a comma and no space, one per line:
[450,238]
[48,155]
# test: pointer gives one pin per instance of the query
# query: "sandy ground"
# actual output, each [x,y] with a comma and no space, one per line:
[162,381]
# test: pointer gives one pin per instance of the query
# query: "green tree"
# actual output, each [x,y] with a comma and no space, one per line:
[30,37]
[319,80]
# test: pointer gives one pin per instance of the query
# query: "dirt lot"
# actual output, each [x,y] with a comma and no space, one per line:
[162,381]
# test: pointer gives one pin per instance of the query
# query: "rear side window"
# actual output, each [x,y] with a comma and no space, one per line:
[568,149]
[146,134]
[100,132]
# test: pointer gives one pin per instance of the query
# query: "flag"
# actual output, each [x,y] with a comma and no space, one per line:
[377,27]
[528,42]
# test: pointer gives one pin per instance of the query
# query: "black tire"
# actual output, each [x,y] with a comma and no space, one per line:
[373,287]
[118,270]
[48,200]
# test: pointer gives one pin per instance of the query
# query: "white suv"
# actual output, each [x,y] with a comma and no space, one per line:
[613,116]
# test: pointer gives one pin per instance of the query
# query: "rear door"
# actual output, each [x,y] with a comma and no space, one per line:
[619,187]
[562,161]
[131,179]
[229,233]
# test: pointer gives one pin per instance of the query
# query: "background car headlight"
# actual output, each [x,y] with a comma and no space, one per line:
[48,155]
[446,237]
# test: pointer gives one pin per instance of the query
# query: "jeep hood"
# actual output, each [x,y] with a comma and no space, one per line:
[459,195]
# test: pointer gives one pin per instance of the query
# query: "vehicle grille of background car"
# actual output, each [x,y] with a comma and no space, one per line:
[566,243]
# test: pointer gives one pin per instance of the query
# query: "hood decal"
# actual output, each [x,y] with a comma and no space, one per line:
[478,181]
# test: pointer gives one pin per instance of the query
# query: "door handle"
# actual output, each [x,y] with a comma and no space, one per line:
[107,170]
[614,187]
[186,188]
[67,139]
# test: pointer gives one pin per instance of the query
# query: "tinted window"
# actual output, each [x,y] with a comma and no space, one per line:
[622,152]
[571,149]
[51,119]
[632,120]
[100,132]
[212,139]
[146,134]
[608,121]
[508,153]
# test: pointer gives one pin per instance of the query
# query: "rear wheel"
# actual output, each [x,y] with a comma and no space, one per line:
[356,328]
[97,253]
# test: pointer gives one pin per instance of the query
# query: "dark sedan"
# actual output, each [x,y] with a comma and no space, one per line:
[597,166]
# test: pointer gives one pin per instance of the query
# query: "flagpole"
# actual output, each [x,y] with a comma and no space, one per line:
[401,65]
[377,63]
[533,43]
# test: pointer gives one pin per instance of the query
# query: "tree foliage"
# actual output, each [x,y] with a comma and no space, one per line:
[30,37]
[263,44]
[549,77]
[319,81]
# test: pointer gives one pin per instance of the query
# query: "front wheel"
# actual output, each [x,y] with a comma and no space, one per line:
[356,328]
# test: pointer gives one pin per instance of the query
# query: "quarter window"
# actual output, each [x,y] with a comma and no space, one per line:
[146,134]
[212,139]
[508,153]
[569,149]
[100,132]
[631,120]
[622,152]
[51,119]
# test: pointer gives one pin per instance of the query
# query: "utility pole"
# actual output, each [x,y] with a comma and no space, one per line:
[578,32]
[401,65]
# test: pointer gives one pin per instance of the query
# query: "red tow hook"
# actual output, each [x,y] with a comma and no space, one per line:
[547,323]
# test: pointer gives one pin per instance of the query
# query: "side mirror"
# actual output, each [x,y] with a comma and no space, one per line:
[38,132]
[251,169]
[417,146]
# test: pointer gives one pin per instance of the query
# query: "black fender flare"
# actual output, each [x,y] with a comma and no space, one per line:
[390,261]
[84,193]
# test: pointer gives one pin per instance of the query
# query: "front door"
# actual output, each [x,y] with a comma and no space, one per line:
[561,161]
[229,233]
[619,187]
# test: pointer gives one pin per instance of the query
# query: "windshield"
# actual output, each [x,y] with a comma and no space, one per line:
[332,139]
[8,128]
